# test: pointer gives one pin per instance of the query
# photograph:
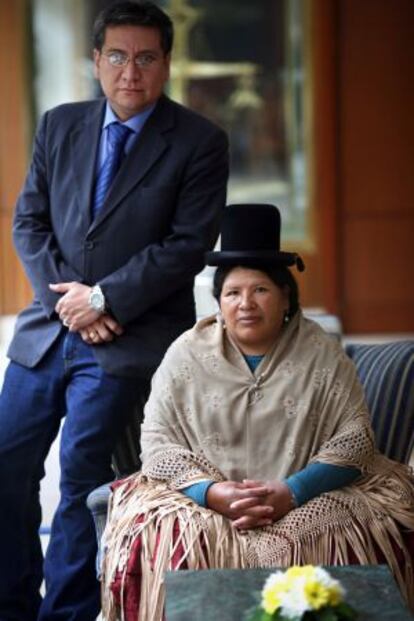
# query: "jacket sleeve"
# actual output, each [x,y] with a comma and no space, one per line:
[33,233]
[160,269]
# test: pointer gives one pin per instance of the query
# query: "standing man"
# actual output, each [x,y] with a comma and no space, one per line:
[122,199]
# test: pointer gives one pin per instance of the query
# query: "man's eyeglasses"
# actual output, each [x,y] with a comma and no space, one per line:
[119,59]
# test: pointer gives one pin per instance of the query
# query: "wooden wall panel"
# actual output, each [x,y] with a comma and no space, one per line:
[14,287]
[14,140]
[376,164]
[377,276]
[323,266]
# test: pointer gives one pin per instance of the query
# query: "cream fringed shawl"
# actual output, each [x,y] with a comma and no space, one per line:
[209,417]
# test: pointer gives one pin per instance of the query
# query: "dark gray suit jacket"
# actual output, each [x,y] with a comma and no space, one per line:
[145,246]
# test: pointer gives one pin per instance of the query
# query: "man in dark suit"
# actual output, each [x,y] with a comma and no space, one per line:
[112,272]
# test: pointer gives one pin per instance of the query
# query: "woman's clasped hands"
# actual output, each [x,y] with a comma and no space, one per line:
[251,503]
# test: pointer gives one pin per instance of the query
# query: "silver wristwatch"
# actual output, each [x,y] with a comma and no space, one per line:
[97,299]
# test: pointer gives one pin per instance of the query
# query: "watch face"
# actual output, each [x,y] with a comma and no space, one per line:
[97,300]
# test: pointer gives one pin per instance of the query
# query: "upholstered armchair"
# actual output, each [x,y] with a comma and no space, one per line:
[386,372]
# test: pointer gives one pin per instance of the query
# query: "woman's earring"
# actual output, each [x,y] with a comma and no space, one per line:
[286,317]
[221,319]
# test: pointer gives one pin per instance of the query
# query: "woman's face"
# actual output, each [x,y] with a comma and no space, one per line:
[253,308]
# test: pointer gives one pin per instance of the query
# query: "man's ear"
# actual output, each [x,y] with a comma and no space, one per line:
[286,297]
[96,62]
[167,61]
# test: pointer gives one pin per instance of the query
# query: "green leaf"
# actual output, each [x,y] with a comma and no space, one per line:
[341,612]
[326,614]
[346,612]
[258,614]
[254,615]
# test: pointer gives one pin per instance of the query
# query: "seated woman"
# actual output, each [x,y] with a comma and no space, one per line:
[257,448]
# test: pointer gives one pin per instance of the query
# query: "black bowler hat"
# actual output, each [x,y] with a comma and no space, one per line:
[250,235]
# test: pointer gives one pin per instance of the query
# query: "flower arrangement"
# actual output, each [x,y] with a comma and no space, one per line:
[302,594]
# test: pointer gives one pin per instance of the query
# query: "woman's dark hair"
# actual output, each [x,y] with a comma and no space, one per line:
[128,13]
[280,275]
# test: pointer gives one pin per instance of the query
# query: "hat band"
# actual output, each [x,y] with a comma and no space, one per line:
[234,257]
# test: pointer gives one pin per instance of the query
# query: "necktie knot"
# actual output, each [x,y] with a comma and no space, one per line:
[117,137]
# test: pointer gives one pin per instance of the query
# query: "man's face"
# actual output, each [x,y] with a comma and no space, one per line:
[131,88]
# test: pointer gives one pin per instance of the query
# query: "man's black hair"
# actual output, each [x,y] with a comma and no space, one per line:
[128,13]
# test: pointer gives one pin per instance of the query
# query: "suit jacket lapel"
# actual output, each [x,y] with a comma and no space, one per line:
[149,147]
[84,147]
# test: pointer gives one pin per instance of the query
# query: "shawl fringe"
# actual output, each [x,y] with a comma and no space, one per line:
[151,511]
[360,521]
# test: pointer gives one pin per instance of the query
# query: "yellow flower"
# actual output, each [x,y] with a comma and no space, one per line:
[316,594]
[270,601]
[273,592]
[307,572]
[335,594]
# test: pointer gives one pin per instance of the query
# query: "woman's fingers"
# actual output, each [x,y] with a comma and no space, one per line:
[252,483]
[252,510]
[247,521]
[249,492]
[247,503]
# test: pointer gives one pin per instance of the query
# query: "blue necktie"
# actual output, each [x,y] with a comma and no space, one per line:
[117,136]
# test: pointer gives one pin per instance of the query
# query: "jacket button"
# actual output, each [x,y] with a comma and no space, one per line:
[89,245]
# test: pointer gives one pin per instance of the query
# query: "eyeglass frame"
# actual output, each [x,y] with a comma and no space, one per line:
[138,60]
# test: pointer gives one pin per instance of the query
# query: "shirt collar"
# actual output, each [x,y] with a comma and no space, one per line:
[135,123]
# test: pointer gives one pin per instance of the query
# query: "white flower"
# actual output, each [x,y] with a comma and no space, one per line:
[300,589]
[326,579]
[294,602]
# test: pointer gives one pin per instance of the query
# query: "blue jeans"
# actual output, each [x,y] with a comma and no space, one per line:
[66,383]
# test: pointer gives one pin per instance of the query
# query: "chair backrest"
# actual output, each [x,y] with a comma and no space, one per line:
[126,456]
[386,372]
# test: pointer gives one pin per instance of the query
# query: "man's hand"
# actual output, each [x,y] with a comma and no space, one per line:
[103,330]
[279,498]
[244,504]
[73,307]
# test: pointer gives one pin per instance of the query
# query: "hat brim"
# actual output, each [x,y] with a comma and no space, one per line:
[253,257]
